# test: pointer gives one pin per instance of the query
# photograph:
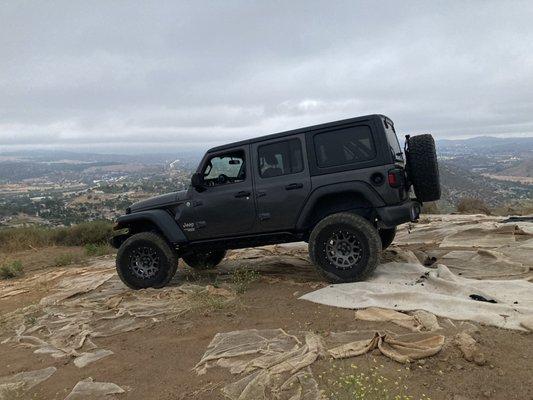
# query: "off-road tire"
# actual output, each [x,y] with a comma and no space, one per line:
[387,237]
[353,226]
[204,259]
[167,261]
[423,168]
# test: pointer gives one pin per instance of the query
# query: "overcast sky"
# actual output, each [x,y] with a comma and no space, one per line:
[111,75]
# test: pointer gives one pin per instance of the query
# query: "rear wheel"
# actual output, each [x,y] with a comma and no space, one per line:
[204,259]
[344,248]
[387,237]
[146,260]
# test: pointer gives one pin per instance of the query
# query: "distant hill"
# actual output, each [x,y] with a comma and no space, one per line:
[63,156]
[487,145]
[524,168]
[458,182]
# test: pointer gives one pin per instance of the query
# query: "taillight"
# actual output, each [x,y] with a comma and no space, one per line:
[394,178]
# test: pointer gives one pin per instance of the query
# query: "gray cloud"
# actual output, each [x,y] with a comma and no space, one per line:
[194,74]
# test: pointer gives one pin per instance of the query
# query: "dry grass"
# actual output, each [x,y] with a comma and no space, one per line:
[470,205]
[16,239]
[430,208]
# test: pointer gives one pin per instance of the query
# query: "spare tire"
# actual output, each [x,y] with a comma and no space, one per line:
[422,167]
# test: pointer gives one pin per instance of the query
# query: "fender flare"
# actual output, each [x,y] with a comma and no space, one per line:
[359,188]
[159,218]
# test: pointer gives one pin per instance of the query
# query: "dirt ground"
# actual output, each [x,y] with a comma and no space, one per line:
[156,361]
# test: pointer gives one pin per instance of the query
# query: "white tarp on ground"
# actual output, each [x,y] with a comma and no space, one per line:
[91,302]
[272,363]
[12,387]
[410,286]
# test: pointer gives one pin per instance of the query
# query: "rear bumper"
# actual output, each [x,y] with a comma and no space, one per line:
[391,216]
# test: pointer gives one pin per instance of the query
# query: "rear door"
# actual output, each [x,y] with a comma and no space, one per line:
[282,182]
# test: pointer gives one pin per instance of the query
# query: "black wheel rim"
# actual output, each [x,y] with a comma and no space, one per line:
[144,262]
[344,250]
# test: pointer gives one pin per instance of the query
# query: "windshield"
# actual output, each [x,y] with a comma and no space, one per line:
[394,144]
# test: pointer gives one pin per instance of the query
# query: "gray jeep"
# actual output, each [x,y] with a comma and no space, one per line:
[343,187]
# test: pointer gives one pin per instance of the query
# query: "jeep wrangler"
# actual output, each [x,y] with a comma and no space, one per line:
[343,187]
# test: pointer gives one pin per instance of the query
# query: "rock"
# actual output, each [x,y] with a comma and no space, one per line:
[469,348]
[479,359]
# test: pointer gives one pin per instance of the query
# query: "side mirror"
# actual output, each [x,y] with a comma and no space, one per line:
[197,180]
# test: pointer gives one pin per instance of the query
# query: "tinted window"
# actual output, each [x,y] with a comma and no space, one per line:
[225,168]
[280,158]
[344,146]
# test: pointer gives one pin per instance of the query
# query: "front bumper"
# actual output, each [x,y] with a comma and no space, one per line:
[391,216]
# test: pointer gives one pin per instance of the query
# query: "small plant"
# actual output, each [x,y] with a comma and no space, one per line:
[65,259]
[208,302]
[11,270]
[30,320]
[95,250]
[243,278]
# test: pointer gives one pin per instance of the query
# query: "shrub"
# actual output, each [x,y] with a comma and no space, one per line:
[96,232]
[470,205]
[15,239]
[11,270]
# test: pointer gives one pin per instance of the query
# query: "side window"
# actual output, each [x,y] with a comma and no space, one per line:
[225,169]
[344,146]
[280,158]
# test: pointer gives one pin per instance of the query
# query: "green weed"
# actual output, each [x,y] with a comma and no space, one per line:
[95,250]
[243,278]
[11,269]
[371,384]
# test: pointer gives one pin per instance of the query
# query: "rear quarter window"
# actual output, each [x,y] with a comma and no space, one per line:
[344,146]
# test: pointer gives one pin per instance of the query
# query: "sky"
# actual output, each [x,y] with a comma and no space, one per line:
[157,76]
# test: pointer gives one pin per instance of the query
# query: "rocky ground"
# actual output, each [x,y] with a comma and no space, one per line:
[76,322]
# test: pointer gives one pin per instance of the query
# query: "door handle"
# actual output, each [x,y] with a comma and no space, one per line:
[242,194]
[260,194]
[293,186]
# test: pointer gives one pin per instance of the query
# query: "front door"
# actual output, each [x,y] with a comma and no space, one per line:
[224,206]
[282,182]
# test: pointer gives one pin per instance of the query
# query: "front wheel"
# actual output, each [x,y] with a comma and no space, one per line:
[146,260]
[344,248]
[204,259]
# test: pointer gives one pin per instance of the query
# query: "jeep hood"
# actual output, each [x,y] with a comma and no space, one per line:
[159,201]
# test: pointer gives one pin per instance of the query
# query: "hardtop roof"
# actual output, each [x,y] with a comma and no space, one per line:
[295,131]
